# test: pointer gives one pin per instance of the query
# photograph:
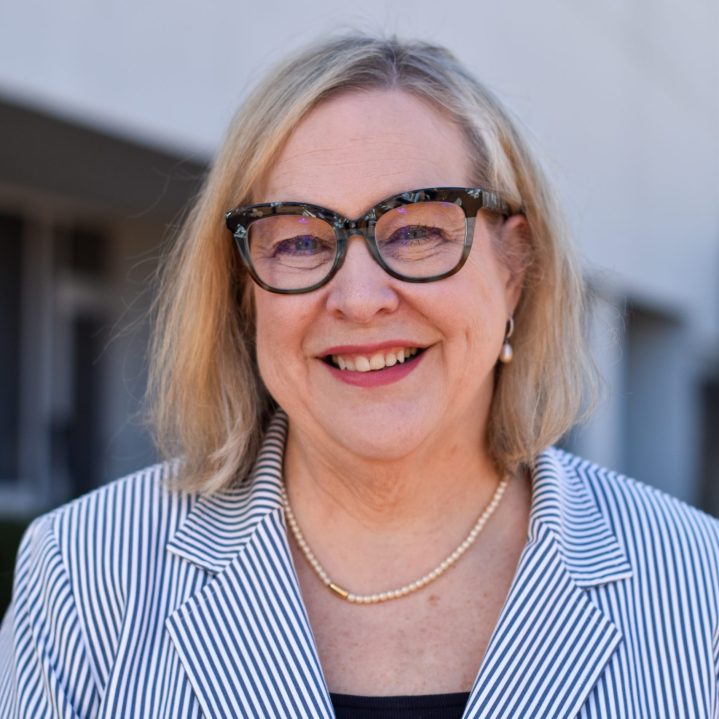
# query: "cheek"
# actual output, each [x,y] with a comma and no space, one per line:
[490,280]
[280,324]
[270,339]
[482,318]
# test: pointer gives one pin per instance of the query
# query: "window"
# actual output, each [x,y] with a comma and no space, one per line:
[11,272]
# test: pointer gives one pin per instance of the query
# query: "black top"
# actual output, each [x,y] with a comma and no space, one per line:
[428,706]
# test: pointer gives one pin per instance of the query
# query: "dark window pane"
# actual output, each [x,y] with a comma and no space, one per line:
[710,446]
[82,251]
[11,228]
[84,440]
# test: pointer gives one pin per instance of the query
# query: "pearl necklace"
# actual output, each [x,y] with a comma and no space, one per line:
[403,591]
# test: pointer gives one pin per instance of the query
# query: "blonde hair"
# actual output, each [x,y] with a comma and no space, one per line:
[209,405]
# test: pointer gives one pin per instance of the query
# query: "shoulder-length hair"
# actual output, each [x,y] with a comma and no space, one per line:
[208,403]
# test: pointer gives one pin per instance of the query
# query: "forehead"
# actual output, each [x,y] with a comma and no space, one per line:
[354,150]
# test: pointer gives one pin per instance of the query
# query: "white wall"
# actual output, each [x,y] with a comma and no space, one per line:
[621,99]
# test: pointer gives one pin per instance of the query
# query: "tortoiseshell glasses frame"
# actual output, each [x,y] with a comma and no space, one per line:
[314,259]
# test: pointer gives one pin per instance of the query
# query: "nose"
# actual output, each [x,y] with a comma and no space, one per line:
[361,290]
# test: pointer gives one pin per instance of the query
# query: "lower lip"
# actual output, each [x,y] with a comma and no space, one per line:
[376,378]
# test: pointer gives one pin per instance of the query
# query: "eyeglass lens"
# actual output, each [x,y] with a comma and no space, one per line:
[417,241]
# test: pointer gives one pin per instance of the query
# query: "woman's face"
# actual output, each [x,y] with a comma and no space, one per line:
[347,154]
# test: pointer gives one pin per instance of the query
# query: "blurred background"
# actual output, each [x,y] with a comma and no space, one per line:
[110,112]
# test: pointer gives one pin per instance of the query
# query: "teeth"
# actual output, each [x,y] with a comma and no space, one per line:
[377,361]
[362,364]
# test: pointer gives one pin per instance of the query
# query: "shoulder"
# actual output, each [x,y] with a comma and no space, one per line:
[653,526]
[145,497]
[83,570]
[625,498]
[110,532]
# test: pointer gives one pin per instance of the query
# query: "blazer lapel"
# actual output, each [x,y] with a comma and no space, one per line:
[552,642]
[244,639]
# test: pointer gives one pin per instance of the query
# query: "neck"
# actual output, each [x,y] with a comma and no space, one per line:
[420,492]
[380,524]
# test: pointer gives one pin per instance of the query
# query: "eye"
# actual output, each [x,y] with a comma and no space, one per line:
[300,245]
[415,235]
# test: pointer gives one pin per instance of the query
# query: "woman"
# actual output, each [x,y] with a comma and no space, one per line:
[362,383]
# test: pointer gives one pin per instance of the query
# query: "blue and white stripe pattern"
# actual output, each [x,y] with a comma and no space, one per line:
[135,601]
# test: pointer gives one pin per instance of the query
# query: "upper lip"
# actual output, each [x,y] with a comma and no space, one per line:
[369,349]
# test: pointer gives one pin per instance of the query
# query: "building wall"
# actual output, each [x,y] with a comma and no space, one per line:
[84,218]
[620,99]
[79,367]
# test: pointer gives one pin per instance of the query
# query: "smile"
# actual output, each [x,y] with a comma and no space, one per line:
[376,361]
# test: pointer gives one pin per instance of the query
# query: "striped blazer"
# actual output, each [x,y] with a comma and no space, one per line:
[134,601]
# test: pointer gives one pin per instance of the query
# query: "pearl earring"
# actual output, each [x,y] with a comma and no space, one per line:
[506,353]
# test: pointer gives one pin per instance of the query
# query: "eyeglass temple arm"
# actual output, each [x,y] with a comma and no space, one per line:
[494,203]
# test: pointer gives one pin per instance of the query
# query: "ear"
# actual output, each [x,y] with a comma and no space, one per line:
[515,248]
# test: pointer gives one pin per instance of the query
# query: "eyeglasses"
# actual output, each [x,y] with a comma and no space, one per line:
[417,236]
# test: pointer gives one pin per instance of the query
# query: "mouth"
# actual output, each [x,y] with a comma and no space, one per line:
[375,362]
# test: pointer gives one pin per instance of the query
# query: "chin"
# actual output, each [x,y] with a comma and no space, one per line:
[380,438]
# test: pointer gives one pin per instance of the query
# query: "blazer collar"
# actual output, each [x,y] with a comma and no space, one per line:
[245,641]
[550,646]
[563,504]
[244,638]
[552,641]
[218,525]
